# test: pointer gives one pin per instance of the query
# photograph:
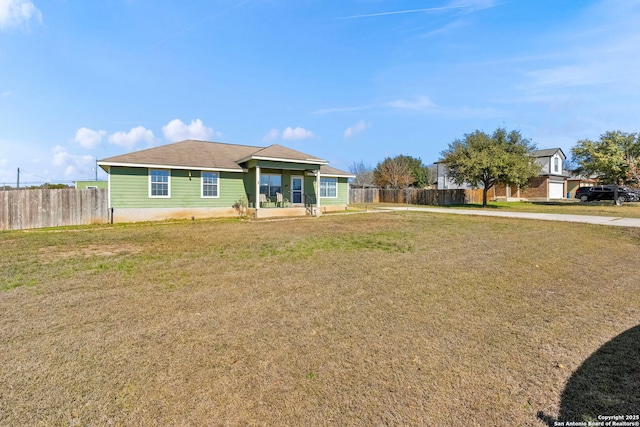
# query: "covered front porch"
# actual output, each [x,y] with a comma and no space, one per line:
[282,188]
[283,182]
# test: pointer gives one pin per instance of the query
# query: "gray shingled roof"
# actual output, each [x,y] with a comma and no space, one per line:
[547,152]
[188,154]
[328,170]
[212,155]
[276,151]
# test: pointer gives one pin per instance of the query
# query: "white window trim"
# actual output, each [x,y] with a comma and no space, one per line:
[271,174]
[320,187]
[168,196]
[202,196]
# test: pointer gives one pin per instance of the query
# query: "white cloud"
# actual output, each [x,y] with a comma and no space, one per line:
[6,93]
[18,13]
[359,127]
[473,5]
[60,156]
[420,103]
[602,48]
[88,138]
[131,138]
[176,130]
[272,135]
[74,166]
[344,109]
[297,133]
[466,5]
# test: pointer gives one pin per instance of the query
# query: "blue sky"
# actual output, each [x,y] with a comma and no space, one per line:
[346,80]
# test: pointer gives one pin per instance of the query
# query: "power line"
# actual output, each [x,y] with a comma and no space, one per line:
[31,173]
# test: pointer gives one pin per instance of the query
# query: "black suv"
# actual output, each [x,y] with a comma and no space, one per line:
[605,192]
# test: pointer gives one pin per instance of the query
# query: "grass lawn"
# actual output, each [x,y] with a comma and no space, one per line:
[399,318]
[572,207]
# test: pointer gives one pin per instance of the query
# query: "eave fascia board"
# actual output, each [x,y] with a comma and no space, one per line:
[153,166]
[331,175]
[277,159]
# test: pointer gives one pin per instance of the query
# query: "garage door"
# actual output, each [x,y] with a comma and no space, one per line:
[556,190]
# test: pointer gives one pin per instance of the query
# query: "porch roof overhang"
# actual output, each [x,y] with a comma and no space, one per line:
[285,160]
[331,175]
[331,172]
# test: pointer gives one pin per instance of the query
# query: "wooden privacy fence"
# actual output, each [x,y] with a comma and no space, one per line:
[39,208]
[413,196]
[364,195]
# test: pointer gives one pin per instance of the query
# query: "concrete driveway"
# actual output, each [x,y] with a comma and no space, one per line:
[589,219]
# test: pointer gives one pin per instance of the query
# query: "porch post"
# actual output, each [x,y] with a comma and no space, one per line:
[257,195]
[318,192]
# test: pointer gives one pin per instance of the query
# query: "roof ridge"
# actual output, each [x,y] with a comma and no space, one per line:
[217,142]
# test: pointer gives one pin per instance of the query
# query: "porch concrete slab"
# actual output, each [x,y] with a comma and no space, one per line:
[587,219]
[263,213]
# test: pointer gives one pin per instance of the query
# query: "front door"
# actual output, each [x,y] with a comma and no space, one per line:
[296,189]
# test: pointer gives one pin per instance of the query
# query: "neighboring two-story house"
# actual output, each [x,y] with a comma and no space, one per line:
[549,184]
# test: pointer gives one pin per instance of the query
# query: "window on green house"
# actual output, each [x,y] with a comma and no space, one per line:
[328,187]
[270,184]
[210,182]
[159,183]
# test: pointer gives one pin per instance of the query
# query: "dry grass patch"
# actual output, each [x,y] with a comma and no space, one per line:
[388,319]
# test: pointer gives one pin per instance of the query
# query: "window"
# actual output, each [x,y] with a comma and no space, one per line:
[328,187]
[159,183]
[270,184]
[556,163]
[210,184]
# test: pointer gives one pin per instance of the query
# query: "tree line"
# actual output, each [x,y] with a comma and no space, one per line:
[401,171]
[36,187]
[484,160]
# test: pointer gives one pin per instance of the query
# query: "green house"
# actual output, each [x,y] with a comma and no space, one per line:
[88,185]
[200,179]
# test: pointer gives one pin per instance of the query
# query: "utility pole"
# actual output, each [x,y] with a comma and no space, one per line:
[18,182]
[96,168]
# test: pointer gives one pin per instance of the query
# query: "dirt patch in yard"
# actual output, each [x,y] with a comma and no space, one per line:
[95,250]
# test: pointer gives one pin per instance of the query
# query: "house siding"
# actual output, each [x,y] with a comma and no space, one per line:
[343,195]
[444,182]
[310,187]
[130,189]
[82,185]
[250,184]
[500,190]
[537,188]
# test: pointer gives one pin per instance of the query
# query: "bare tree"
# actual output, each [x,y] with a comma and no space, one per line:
[363,173]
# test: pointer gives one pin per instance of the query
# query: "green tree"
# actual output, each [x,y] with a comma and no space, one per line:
[614,158]
[420,172]
[482,159]
[402,171]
